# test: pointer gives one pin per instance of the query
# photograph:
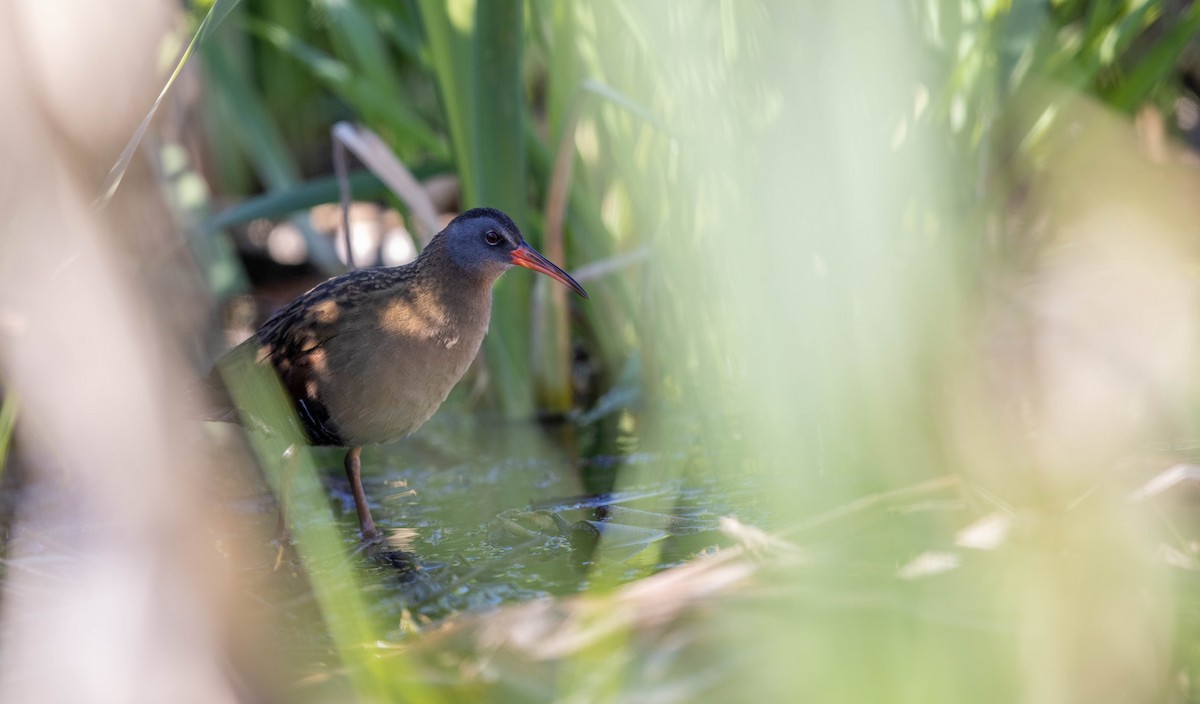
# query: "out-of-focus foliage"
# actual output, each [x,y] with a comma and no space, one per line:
[884,246]
[913,285]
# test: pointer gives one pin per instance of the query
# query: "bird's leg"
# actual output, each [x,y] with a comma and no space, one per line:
[354,474]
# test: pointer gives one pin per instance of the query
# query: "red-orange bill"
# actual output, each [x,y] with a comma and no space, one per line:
[529,258]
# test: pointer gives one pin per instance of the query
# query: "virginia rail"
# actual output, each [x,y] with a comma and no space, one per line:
[367,357]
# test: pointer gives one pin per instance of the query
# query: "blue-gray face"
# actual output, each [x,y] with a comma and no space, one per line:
[487,240]
[483,239]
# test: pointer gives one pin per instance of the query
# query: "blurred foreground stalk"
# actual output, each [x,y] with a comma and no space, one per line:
[858,304]
[112,591]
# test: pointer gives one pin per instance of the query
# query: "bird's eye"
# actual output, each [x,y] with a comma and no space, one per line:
[492,237]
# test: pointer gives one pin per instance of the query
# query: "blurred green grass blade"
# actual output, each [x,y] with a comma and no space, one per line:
[336,583]
[1101,15]
[477,61]
[219,11]
[498,152]
[1159,62]
[373,95]
[623,101]
[562,63]
[402,25]
[257,132]
[448,58]
[318,191]
[550,338]
[355,35]
[333,72]
[262,142]
[279,204]
[613,302]
[290,90]
[8,421]
[497,106]
[1131,26]
[479,75]
[1104,45]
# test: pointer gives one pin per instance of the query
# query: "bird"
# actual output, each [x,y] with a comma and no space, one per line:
[368,356]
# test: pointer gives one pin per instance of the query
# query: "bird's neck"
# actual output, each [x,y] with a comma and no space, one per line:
[457,287]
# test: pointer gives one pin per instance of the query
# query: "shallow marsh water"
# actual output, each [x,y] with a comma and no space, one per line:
[477,512]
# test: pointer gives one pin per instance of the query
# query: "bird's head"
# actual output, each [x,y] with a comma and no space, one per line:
[486,241]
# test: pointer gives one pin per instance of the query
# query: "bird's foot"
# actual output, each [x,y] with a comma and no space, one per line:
[370,544]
